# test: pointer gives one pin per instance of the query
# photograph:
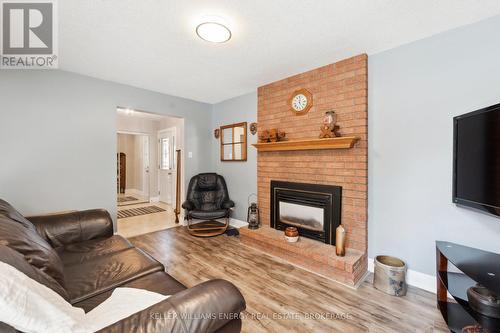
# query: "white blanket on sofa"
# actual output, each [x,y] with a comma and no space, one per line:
[30,306]
[123,303]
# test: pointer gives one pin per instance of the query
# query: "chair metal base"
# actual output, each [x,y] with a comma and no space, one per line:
[208,228]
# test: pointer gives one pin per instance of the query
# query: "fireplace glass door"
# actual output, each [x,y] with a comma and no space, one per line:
[307,217]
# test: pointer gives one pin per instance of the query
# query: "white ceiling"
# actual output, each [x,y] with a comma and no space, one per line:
[152,44]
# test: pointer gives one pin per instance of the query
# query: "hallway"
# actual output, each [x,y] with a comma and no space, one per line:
[143,224]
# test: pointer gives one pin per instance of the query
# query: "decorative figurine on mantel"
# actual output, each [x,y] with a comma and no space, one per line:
[329,129]
[272,135]
[276,135]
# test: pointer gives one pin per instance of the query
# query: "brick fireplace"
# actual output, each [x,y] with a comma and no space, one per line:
[341,86]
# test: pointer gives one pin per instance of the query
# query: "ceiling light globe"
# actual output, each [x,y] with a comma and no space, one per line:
[213,32]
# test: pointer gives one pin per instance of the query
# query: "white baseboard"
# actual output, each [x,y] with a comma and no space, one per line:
[414,278]
[237,223]
[134,191]
[154,199]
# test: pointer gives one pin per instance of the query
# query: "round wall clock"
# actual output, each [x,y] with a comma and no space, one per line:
[301,101]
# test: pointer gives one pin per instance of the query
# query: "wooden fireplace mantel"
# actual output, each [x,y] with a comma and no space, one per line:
[344,142]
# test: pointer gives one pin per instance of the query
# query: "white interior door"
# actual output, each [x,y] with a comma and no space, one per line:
[167,167]
[145,166]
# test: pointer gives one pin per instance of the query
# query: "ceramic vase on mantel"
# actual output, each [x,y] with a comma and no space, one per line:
[340,241]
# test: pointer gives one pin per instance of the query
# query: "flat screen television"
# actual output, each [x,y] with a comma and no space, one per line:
[476,160]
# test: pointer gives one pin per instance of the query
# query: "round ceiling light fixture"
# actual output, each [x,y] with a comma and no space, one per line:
[213,32]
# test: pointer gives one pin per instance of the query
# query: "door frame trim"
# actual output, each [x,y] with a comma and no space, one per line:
[132,133]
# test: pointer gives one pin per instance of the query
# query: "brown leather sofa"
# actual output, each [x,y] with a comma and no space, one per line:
[76,255]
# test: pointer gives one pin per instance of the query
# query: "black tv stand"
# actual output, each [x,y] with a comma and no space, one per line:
[476,266]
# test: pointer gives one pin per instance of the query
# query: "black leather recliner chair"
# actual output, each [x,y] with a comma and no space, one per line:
[208,200]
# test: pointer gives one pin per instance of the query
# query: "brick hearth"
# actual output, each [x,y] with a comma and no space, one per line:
[309,254]
[342,87]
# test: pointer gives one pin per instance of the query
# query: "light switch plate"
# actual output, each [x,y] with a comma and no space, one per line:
[190,154]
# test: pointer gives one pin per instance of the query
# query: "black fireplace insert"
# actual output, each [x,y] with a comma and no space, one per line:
[312,208]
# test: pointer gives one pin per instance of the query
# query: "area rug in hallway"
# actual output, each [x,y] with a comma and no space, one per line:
[126,199]
[139,211]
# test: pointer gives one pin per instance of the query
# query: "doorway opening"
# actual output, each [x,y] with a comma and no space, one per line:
[132,168]
[150,175]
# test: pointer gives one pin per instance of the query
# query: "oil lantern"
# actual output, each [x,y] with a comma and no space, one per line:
[253,217]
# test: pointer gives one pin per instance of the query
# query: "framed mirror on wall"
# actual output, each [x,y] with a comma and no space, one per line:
[233,142]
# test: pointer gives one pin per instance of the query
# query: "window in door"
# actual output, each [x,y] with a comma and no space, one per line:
[167,154]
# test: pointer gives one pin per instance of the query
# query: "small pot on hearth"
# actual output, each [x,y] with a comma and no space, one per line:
[291,234]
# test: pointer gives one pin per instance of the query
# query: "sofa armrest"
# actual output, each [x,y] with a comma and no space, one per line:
[204,308]
[188,205]
[228,204]
[73,227]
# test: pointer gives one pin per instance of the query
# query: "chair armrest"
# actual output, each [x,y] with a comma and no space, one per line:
[228,204]
[73,227]
[204,308]
[188,205]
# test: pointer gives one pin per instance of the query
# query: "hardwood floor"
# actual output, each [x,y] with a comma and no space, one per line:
[283,298]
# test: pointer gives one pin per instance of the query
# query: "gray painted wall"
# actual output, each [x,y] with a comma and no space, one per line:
[58,138]
[414,92]
[241,177]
